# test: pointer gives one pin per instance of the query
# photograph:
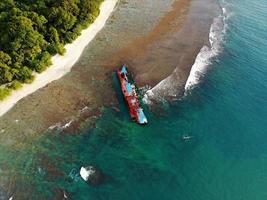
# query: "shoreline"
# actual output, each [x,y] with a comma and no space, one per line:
[152,44]
[187,74]
[61,64]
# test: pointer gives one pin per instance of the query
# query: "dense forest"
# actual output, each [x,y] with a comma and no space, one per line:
[31,31]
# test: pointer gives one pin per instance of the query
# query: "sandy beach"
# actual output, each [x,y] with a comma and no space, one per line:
[62,64]
[153,44]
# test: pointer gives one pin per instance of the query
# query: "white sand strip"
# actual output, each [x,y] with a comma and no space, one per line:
[61,64]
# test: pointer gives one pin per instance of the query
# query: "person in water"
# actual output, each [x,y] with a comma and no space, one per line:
[186,137]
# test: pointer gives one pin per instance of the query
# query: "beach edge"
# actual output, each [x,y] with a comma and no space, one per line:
[61,65]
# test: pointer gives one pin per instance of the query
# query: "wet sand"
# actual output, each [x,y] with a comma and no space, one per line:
[152,38]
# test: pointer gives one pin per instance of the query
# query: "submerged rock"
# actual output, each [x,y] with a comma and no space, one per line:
[92,175]
[3,194]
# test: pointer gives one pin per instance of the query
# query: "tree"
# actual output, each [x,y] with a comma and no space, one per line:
[24,75]
[34,30]
[41,62]
[5,71]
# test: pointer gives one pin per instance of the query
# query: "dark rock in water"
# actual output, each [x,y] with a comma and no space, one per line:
[61,195]
[92,175]
[3,194]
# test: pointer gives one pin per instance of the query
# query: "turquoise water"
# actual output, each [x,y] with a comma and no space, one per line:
[226,114]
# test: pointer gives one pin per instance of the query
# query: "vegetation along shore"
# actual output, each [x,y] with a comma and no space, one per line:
[33,32]
[133,35]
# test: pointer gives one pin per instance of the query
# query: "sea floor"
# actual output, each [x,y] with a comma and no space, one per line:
[40,161]
[153,38]
[225,115]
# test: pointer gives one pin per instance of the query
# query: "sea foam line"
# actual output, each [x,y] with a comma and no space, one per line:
[203,59]
[62,64]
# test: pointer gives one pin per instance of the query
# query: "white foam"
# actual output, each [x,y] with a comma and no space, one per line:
[62,64]
[85,108]
[147,97]
[67,124]
[205,55]
[199,67]
[59,126]
[65,195]
[86,172]
[169,87]
[161,87]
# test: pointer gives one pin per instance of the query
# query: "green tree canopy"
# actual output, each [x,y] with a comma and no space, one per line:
[34,30]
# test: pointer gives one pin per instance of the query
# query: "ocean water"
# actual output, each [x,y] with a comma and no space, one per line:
[225,112]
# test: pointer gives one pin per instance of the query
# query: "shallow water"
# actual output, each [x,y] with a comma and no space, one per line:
[152,37]
[226,114]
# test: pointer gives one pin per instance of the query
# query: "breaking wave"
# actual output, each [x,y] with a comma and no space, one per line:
[60,126]
[203,59]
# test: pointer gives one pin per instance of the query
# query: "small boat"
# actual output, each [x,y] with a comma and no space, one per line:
[130,96]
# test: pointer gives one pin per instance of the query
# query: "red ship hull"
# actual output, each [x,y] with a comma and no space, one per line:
[130,97]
